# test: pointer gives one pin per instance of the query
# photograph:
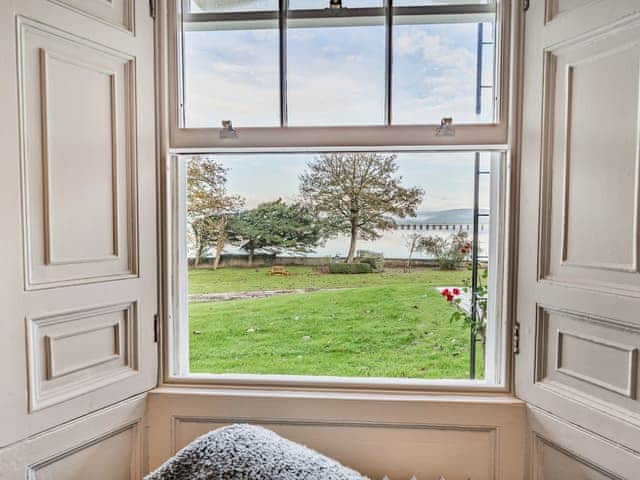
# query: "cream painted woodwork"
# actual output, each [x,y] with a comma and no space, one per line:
[78,266]
[119,13]
[395,435]
[71,89]
[561,451]
[105,445]
[578,269]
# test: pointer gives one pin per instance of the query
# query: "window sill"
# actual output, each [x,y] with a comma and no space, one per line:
[333,385]
[504,399]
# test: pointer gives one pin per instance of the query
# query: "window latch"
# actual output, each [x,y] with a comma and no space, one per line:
[515,346]
[227,130]
[446,128]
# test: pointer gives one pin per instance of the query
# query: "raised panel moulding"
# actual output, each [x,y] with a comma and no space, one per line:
[106,336]
[554,8]
[76,352]
[117,13]
[103,242]
[589,216]
[423,450]
[114,455]
[614,245]
[78,158]
[597,348]
[588,358]
[550,461]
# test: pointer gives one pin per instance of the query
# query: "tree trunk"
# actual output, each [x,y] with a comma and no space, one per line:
[196,260]
[222,238]
[251,258]
[352,245]
[200,254]
[407,267]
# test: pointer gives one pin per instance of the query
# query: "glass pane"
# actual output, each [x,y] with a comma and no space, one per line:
[269,242]
[317,4]
[335,74]
[435,73]
[200,6]
[421,3]
[232,75]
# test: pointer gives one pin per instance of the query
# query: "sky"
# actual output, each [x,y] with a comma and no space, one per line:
[335,75]
[446,178]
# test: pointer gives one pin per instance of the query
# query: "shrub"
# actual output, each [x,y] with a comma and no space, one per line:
[375,259]
[377,263]
[450,252]
[350,268]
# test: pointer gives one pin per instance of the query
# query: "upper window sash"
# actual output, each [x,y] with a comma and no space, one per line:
[389,134]
[346,17]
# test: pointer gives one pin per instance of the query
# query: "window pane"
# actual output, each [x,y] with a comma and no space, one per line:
[199,6]
[335,74]
[421,3]
[435,73]
[269,240]
[232,75]
[316,4]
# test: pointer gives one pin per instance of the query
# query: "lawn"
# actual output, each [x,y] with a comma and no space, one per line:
[390,324]
[206,280]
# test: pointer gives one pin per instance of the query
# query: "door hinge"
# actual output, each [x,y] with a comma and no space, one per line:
[515,341]
[156,328]
[152,8]
[526,4]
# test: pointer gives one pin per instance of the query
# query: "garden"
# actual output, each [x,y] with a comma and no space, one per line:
[288,307]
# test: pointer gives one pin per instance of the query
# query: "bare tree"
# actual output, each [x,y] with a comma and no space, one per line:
[209,205]
[412,242]
[359,194]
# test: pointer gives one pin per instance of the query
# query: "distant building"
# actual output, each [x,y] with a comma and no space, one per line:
[455,220]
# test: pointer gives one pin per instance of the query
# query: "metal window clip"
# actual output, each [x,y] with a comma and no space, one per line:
[446,128]
[227,130]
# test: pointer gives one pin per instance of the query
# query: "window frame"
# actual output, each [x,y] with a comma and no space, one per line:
[177,332]
[499,136]
[487,135]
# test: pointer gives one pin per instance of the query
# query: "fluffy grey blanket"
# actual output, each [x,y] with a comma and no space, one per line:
[248,452]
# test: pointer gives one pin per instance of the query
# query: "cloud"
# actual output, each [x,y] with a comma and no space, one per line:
[335,75]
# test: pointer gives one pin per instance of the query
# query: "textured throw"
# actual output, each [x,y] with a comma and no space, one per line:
[248,452]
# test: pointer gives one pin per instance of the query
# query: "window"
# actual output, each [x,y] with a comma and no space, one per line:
[281,269]
[300,63]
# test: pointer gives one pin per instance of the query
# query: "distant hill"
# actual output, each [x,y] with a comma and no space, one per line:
[462,216]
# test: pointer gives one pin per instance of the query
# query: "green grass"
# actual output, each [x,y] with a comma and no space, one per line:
[384,325]
[205,280]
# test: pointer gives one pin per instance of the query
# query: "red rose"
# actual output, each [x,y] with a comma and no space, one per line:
[449,298]
[456,291]
[445,292]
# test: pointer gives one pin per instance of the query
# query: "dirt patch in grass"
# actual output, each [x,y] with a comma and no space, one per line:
[226,296]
